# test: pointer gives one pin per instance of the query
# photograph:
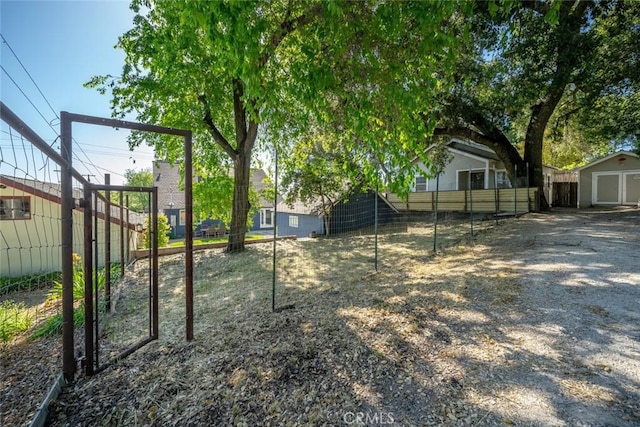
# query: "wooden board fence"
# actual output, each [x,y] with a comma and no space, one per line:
[501,200]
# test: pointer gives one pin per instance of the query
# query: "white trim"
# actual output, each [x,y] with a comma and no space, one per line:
[468,170]
[624,187]
[594,188]
[610,156]
[263,215]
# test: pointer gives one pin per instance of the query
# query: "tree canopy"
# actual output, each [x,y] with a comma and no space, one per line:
[545,73]
[227,69]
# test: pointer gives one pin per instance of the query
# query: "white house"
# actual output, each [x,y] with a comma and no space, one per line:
[611,180]
[472,165]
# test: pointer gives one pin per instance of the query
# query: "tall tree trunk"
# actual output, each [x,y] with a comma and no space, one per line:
[241,206]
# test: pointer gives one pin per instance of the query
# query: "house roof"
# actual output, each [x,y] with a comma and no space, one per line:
[610,156]
[472,149]
[312,208]
[167,178]
[53,192]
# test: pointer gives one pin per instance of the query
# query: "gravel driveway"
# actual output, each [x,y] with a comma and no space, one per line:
[572,333]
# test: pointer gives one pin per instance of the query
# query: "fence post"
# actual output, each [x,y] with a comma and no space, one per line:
[128,229]
[88,282]
[188,241]
[66,183]
[121,198]
[275,231]
[471,202]
[107,244]
[495,193]
[375,200]
[515,192]
[435,222]
[528,203]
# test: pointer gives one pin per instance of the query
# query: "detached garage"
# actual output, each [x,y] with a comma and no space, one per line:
[612,180]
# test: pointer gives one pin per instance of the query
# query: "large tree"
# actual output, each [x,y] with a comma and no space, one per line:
[224,69]
[536,63]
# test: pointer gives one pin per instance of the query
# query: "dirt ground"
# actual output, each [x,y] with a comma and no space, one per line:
[535,322]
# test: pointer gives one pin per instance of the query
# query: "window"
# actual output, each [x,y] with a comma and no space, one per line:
[502,180]
[266,218]
[293,221]
[15,208]
[183,217]
[421,183]
[477,180]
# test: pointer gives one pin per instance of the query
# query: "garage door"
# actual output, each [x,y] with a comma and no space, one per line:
[632,188]
[607,189]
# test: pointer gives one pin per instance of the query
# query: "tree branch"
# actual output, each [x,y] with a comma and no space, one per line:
[215,133]
[287,27]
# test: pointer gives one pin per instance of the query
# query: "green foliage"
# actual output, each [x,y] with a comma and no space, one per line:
[14,319]
[53,325]
[549,80]
[225,69]
[138,202]
[163,232]
[29,281]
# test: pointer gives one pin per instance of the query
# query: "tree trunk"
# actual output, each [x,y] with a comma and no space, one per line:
[238,226]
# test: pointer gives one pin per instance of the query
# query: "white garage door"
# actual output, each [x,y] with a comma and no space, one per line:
[632,188]
[606,189]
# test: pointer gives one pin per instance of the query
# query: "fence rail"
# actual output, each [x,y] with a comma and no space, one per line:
[491,200]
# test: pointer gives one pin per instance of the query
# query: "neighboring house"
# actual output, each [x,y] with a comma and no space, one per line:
[171,200]
[30,227]
[611,180]
[356,212]
[477,160]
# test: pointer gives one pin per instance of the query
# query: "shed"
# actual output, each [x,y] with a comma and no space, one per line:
[611,180]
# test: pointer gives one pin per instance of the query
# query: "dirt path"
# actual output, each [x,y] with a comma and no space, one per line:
[535,323]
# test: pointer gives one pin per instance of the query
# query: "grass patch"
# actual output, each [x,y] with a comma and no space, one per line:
[15,319]
[53,325]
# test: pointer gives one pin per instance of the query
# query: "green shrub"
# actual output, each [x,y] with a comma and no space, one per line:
[53,325]
[163,232]
[14,319]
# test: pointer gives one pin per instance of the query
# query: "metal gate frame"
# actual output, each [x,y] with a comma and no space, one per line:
[67,119]
[91,297]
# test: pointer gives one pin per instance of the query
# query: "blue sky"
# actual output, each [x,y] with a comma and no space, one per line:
[62,44]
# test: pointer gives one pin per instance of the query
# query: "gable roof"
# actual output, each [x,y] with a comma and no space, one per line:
[610,156]
[53,192]
[167,178]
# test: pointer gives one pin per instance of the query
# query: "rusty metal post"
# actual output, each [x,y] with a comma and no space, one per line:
[128,229]
[154,273]
[120,199]
[66,217]
[188,206]
[107,244]
[88,283]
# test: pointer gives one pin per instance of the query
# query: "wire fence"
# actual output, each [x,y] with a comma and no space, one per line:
[298,255]
[32,220]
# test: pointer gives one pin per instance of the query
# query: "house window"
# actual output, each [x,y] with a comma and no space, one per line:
[477,180]
[266,218]
[293,221]
[502,179]
[421,183]
[15,208]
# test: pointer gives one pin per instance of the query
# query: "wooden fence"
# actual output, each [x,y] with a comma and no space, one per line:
[516,200]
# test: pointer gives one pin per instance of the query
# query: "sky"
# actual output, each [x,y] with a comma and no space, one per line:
[61,45]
